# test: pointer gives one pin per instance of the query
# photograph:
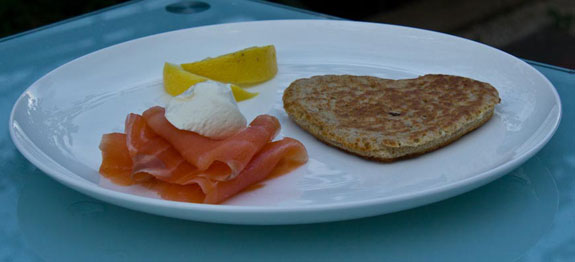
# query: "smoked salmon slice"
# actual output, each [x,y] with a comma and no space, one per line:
[117,166]
[155,160]
[153,156]
[202,152]
[116,161]
[287,152]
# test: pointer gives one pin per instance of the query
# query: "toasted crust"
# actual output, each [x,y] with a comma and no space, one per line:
[386,119]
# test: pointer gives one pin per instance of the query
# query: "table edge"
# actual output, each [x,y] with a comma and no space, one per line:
[67,20]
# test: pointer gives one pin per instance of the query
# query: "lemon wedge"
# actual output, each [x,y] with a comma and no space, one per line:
[241,94]
[245,67]
[177,80]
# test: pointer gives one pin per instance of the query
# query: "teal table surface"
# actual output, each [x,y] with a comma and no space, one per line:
[527,215]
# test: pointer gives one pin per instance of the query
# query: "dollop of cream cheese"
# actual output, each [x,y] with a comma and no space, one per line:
[207,108]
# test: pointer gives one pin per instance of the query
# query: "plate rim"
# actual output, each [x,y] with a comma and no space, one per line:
[447,190]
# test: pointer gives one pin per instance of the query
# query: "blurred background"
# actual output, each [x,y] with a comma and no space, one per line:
[539,30]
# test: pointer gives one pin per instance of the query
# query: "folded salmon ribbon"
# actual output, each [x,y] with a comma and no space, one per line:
[184,166]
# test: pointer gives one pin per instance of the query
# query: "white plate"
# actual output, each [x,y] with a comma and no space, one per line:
[57,123]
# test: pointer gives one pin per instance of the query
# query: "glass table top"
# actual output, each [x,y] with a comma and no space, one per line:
[528,215]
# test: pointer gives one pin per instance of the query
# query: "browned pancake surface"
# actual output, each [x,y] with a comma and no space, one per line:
[387,119]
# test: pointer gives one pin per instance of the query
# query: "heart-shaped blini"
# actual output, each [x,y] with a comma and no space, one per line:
[385,119]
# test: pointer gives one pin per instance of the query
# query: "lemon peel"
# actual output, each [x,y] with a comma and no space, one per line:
[177,80]
[245,67]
